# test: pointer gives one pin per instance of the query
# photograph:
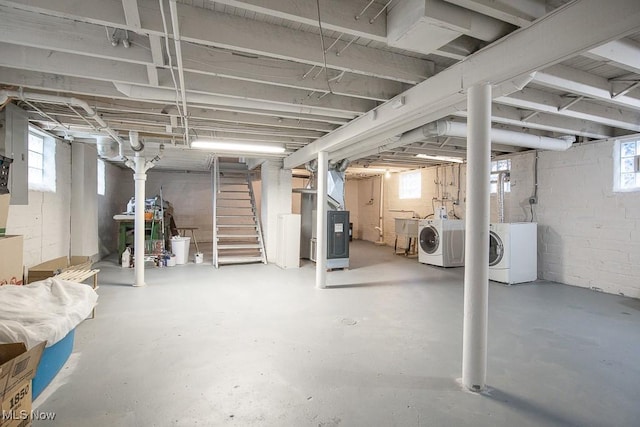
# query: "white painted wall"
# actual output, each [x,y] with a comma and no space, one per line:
[84,199]
[588,235]
[45,222]
[118,182]
[191,197]
[275,197]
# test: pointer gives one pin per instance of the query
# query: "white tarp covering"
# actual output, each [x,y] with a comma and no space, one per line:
[45,310]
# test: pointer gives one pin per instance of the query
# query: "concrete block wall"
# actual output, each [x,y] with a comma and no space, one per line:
[45,222]
[588,236]
[113,202]
[191,196]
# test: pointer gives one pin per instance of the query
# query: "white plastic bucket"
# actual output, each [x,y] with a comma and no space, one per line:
[199,258]
[171,262]
[180,247]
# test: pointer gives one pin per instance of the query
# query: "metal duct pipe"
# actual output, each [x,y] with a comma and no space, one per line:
[53,99]
[183,91]
[107,147]
[501,136]
[168,95]
[134,140]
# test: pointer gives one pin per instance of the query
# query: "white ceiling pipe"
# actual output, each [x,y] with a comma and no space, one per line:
[446,128]
[135,142]
[54,99]
[107,147]
[183,90]
[168,95]
[502,136]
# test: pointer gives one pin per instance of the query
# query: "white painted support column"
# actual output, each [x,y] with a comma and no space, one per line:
[321,221]
[476,275]
[140,176]
[275,196]
[84,200]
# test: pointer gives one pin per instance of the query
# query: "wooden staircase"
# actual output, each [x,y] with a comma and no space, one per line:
[237,235]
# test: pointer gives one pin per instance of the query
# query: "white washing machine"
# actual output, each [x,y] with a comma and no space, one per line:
[441,242]
[513,254]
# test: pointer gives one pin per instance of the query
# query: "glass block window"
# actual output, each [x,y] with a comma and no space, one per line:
[41,161]
[499,166]
[410,185]
[627,166]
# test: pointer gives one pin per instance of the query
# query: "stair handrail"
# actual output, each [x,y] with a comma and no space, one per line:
[258,220]
[215,189]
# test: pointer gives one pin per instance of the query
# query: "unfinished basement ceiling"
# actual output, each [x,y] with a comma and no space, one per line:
[254,71]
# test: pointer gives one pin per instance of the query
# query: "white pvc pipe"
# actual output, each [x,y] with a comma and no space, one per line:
[169,95]
[140,176]
[506,137]
[183,90]
[321,221]
[476,275]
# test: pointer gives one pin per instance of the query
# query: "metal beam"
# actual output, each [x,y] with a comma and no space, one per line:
[544,43]
[621,53]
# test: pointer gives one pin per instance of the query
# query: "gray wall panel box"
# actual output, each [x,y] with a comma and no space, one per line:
[14,135]
[337,239]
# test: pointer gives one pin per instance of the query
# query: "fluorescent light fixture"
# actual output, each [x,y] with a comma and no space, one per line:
[238,147]
[441,158]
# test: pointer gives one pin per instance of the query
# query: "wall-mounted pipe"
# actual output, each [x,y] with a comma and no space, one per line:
[54,99]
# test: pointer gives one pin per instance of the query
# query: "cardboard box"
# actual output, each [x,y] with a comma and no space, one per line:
[57,265]
[17,368]
[11,259]
[4,212]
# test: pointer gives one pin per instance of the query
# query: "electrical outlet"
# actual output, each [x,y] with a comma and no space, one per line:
[533,200]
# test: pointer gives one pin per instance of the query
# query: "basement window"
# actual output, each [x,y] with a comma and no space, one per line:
[500,166]
[101,177]
[41,161]
[410,185]
[626,165]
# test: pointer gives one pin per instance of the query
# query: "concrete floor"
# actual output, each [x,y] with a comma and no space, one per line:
[257,345]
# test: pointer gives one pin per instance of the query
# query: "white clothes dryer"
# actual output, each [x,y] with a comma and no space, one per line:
[513,254]
[441,242]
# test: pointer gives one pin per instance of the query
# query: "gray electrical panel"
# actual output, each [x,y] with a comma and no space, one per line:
[337,239]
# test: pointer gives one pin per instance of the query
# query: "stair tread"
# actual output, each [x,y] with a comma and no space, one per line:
[238,259]
[237,236]
[234,216]
[236,225]
[240,246]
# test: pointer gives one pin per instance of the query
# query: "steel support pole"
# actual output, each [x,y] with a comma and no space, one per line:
[140,177]
[476,275]
[321,221]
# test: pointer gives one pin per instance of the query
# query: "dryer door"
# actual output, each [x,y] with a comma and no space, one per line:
[429,239]
[496,249]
